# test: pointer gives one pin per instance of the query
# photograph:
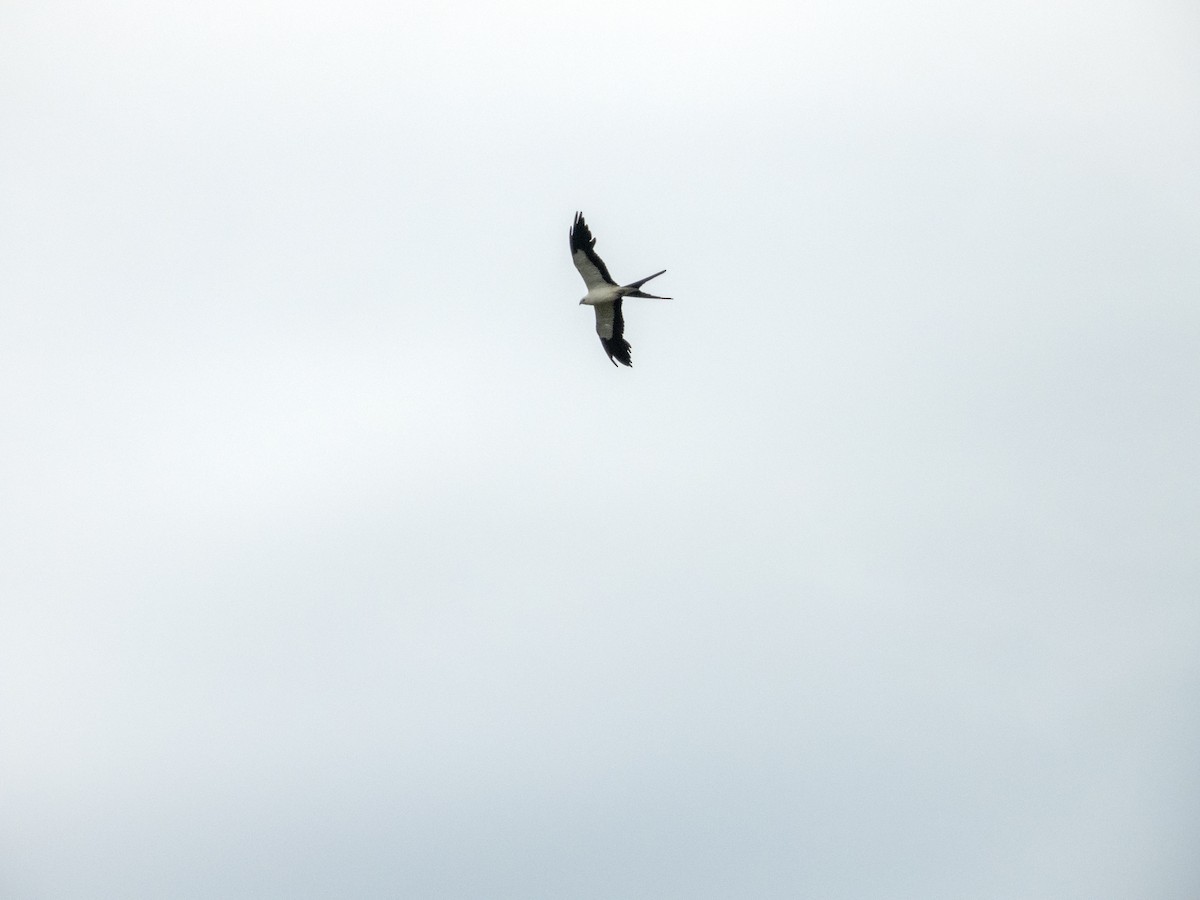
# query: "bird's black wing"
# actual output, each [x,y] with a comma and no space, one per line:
[610,325]
[590,266]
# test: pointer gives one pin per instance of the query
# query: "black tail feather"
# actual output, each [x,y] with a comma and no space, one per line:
[632,289]
[637,284]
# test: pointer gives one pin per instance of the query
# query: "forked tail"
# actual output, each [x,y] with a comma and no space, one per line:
[631,290]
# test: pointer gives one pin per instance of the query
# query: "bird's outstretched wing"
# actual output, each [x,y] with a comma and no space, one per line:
[590,266]
[610,325]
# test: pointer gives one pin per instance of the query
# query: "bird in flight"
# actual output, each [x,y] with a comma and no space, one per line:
[604,294]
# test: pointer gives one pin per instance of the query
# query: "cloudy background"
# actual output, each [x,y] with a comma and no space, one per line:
[338,561]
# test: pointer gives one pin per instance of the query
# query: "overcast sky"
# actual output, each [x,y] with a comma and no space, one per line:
[338,561]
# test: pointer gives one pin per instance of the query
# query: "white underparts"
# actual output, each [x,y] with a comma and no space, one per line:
[603,294]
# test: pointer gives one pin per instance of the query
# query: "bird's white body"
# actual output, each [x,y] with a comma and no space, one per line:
[601,293]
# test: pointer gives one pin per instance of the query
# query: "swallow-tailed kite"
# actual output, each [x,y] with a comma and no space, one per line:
[605,294]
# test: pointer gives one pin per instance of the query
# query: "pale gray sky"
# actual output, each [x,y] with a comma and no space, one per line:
[339,561]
